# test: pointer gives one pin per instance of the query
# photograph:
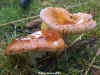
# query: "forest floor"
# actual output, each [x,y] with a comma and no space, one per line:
[81,58]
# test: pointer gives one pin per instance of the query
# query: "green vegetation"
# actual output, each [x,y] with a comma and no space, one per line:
[75,60]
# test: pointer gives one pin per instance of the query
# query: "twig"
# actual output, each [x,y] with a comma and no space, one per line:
[77,39]
[95,66]
[1,50]
[92,62]
[19,20]
[1,65]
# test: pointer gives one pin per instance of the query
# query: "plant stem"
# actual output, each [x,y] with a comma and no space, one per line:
[92,61]
[19,20]
[77,39]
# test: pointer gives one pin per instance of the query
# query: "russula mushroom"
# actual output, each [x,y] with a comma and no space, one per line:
[46,40]
[61,20]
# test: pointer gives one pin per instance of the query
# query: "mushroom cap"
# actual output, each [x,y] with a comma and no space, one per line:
[61,20]
[47,40]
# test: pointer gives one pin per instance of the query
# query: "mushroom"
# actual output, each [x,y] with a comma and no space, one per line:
[45,40]
[61,20]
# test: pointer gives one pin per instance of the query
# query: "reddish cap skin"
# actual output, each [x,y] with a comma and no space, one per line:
[61,20]
[47,40]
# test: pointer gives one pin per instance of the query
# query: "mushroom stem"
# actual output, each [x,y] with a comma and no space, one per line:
[64,37]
